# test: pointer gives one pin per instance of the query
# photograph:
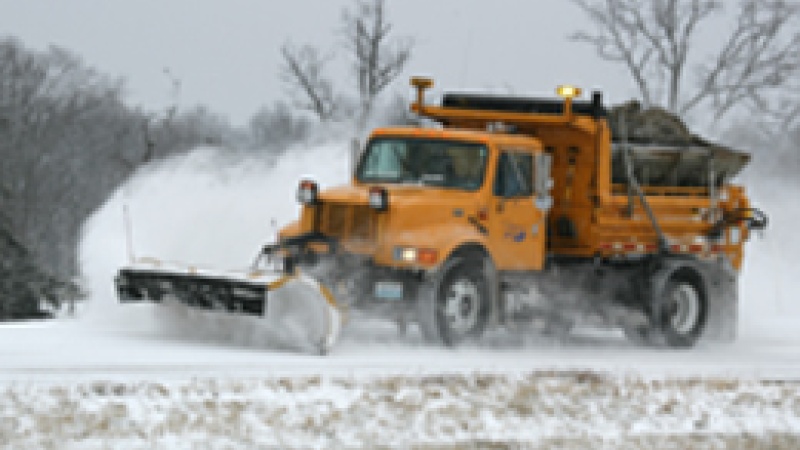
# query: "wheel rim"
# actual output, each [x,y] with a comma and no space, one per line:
[685,308]
[461,305]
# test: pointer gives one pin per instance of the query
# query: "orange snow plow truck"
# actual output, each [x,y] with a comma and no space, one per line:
[518,213]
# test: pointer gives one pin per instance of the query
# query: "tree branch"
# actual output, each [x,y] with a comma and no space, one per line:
[303,71]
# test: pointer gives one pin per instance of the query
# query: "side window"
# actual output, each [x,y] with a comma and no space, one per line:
[514,176]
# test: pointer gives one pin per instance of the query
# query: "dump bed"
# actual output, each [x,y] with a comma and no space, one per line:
[662,165]
[682,179]
[664,152]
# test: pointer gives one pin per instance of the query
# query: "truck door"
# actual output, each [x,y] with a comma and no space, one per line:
[517,233]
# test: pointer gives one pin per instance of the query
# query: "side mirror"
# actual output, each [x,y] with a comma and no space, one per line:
[542,182]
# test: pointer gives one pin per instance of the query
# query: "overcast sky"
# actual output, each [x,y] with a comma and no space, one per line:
[226,53]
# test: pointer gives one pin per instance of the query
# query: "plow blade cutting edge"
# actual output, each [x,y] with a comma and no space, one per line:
[298,311]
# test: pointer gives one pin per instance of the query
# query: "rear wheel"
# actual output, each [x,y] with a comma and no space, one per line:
[458,308]
[683,313]
[679,315]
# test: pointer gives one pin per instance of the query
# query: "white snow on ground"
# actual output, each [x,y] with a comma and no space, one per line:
[141,376]
[574,410]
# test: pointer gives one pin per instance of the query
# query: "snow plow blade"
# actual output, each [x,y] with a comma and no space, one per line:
[299,312]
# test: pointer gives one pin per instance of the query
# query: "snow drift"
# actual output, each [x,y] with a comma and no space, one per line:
[213,209]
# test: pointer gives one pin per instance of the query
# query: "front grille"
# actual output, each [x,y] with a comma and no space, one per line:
[348,222]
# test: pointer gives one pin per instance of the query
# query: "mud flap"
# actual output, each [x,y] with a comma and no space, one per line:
[302,313]
[723,303]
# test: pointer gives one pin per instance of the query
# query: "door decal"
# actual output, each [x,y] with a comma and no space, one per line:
[515,233]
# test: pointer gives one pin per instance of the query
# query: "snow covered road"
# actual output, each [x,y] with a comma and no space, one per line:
[136,341]
[129,382]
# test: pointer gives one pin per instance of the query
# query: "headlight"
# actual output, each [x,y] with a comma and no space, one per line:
[307,192]
[378,198]
[408,254]
[412,255]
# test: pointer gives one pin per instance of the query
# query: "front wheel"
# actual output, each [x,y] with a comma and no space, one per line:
[458,308]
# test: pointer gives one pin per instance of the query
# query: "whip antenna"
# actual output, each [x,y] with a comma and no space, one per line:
[126,217]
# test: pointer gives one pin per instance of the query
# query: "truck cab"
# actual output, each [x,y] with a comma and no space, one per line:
[418,199]
[446,189]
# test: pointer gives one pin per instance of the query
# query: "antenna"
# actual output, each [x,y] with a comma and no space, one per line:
[126,217]
[355,153]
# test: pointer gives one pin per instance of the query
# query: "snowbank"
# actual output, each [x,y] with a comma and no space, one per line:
[209,208]
[565,410]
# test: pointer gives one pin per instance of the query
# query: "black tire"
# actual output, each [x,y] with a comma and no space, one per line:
[682,313]
[456,308]
[426,312]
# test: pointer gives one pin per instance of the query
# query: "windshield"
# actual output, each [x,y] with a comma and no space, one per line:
[448,164]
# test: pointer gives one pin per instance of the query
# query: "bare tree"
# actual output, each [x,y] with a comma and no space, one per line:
[758,56]
[68,140]
[303,71]
[377,58]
